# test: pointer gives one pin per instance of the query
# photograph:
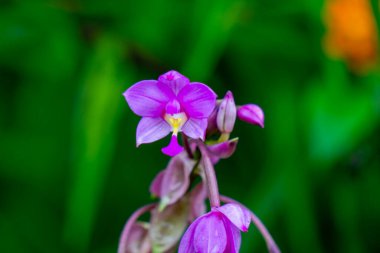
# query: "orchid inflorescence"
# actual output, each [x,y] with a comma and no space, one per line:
[174,104]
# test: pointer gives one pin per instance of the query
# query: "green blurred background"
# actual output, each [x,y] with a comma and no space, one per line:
[70,174]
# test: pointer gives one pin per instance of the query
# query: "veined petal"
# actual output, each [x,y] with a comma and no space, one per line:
[233,237]
[210,234]
[195,128]
[148,98]
[198,100]
[237,214]
[175,80]
[151,129]
[186,244]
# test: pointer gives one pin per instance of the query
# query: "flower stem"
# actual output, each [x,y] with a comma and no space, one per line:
[128,226]
[211,182]
[271,244]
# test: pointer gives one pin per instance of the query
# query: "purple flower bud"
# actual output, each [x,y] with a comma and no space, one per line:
[172,183]
[138,239]
[167,226]
[226,117]
[217,231]
[251,114]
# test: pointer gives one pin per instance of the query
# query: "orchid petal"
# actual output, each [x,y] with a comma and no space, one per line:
[198,100]
[224,149]
[173,148]
[233,237]
[195,128]
[210,234]
[151,129]
[238,215]
[187,242]
[174,80]
[148,98]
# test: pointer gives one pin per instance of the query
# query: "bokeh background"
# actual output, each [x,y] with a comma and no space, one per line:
[70,174]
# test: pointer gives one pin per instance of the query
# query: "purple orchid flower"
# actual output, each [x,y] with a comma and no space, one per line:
[170,104]
[217,231]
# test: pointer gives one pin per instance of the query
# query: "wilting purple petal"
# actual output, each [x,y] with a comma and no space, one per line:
[151,129]
[226,114]
[224,149]
[173,148]
[197,100]
[174,80]
[233,237]
[251,114]
[195,128]
[176,179]
[155,186]
[237,214]
[197,201]
[148,98]
[138,239]
[167,226]
[210,234]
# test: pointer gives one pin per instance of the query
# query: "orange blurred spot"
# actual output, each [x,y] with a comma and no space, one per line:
[351,33]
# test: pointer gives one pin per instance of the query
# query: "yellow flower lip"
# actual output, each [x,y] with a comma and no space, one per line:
[176,121]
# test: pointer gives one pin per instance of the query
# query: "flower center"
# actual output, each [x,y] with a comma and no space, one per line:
[176,121]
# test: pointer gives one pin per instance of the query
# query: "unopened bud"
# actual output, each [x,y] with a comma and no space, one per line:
[251,114]
[226,117]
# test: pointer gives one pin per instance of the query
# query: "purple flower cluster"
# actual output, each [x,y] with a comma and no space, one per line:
[174,104]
